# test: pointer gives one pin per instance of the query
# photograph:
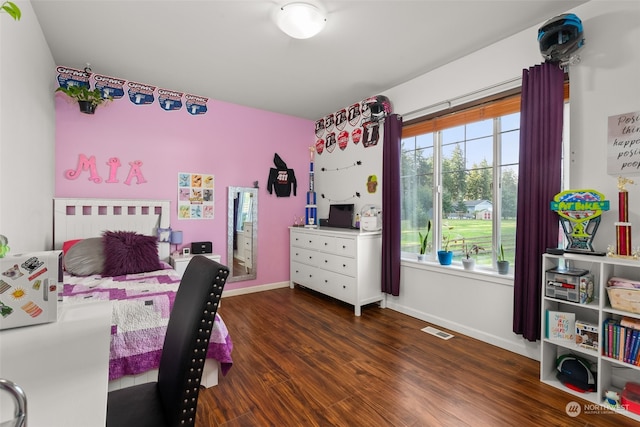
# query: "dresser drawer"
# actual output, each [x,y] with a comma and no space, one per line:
[306,256]
[345,247]
[338,264]
[337,286]
[305,275]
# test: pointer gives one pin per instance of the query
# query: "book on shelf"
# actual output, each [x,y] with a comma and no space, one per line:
[622,340]
[561,326]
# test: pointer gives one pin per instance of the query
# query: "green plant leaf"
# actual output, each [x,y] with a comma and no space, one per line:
[12,10]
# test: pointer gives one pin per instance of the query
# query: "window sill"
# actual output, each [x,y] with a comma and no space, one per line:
[480,273]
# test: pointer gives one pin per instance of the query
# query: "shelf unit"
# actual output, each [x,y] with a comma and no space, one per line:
[612,374]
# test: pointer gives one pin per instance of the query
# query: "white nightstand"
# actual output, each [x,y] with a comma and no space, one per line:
[180,262]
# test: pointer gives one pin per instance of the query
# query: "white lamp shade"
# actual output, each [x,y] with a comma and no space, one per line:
[300,20]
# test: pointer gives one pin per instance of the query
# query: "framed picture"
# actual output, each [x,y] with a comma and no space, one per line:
[186,251]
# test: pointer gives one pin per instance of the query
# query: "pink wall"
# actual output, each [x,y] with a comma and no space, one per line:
[234,143]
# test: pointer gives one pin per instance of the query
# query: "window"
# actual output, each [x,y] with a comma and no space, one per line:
[460,171]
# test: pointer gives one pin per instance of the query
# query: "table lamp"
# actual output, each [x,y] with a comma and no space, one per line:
[176,238]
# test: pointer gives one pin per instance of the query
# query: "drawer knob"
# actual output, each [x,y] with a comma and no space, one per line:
[344,247]
[344,265]
[344,286]
[326,261]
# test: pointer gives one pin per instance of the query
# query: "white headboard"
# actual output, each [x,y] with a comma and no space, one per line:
[84,218]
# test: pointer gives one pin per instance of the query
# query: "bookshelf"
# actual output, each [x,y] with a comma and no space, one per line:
[612,373]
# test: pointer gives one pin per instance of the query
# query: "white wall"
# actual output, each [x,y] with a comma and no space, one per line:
[606,82]
[27,133]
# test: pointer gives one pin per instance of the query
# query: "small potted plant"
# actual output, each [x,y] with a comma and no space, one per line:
[503,264]
[424,243]
[467,262]
[87,98]
[445,256]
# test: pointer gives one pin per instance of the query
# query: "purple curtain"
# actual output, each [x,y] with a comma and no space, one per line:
[391,205]
[539,180]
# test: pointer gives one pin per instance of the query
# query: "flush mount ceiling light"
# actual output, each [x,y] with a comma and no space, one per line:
[300,20]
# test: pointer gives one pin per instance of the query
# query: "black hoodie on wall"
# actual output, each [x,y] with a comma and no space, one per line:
[281,179]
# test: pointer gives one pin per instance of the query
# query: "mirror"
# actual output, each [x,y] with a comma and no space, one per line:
[242,233]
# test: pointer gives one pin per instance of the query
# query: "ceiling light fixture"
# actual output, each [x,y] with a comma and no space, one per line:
[300,20]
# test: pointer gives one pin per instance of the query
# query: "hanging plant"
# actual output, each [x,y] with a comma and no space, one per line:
[11,9]
[88,99]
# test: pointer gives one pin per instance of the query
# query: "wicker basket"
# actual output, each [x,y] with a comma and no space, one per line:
[626,299]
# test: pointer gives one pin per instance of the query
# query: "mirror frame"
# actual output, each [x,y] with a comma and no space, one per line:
[233,191]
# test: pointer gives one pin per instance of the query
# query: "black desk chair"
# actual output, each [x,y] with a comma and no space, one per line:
[172,400]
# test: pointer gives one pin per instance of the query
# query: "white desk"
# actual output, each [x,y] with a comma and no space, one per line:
[62,367]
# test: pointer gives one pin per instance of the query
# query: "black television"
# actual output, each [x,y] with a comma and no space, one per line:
[340,216]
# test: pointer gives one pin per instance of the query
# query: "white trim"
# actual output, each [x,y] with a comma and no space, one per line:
[253,289]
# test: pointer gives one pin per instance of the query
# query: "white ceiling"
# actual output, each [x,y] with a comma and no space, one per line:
[232,51]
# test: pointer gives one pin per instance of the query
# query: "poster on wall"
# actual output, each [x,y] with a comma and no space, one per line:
[195,195]
[623,144]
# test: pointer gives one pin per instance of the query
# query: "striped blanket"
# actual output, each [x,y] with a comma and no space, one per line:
[141,306]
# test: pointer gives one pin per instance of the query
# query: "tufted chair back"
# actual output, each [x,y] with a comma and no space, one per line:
[187,338]
[172,400]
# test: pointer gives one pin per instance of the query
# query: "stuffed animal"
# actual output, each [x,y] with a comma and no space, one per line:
[612,399]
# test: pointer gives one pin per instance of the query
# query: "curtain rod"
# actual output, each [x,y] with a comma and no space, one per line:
[489,90]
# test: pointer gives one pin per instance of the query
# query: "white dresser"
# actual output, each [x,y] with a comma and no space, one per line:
[343,264]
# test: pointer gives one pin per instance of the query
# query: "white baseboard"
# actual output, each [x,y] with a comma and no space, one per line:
[252,289]
[530,350]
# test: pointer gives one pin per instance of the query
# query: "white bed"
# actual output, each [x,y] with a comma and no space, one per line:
[87,218]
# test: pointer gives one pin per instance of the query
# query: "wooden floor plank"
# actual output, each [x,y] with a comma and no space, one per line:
[303,359]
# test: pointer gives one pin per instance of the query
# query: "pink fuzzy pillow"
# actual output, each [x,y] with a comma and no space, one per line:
[127,252]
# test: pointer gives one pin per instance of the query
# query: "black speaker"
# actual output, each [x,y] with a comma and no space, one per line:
[201,248]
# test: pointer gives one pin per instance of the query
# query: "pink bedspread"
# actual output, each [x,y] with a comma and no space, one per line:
[141,307]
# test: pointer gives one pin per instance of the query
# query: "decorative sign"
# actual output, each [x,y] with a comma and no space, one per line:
[195,196]
[580,214]
[623,145]
[88,164]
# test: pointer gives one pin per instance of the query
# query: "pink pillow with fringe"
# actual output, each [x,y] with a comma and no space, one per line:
[127,252]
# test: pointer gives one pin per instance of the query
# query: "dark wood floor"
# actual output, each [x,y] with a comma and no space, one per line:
[301,359]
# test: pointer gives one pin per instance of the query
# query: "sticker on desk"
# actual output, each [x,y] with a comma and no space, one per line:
[32,309]
[13,272]
[4,286]
[5,310]
[32,264]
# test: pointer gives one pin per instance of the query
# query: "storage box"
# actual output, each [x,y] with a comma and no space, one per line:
[630,397]
[625,299]
[587,335]
[575,285]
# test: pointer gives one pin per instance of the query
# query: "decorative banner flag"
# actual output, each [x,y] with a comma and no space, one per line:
[196,104]
[110,86]
[72,77]
[341,119]
[141,94]
[169,100]
[319,128]
[195,196]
